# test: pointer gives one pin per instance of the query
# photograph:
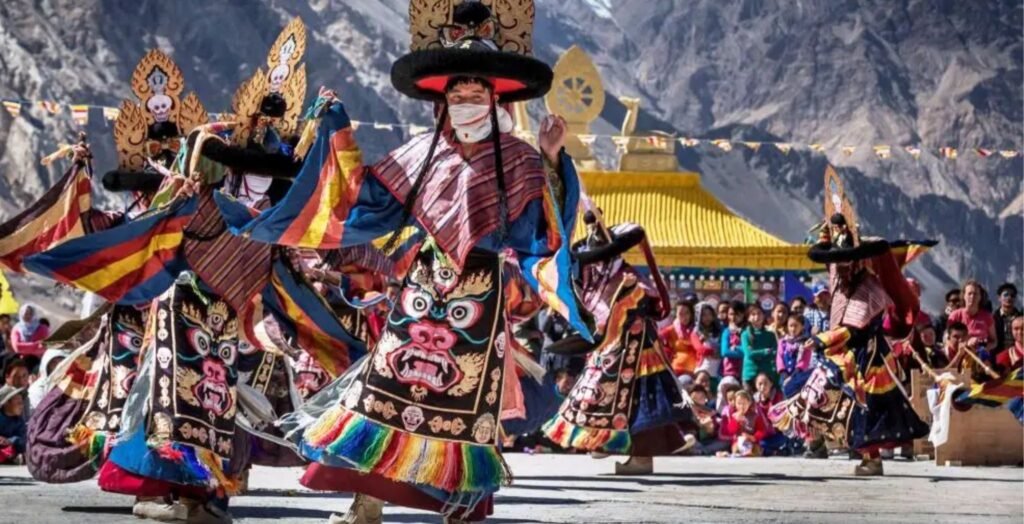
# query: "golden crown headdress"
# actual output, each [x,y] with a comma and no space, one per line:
[513,23]
[283,76]
[836,202]
[158,83]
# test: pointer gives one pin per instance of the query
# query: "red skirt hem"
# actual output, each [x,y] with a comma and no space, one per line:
[326,478]
[115,479]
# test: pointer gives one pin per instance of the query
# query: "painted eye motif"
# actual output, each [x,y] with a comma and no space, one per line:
[200,340]
[130,341]
[246,348]
[464,313]
[226,351]
[416,303]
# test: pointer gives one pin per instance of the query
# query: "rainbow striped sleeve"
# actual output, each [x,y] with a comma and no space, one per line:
[305,318]
[545,262]
[131,263]
[331,202]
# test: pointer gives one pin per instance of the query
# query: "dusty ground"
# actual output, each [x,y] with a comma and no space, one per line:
[560,488]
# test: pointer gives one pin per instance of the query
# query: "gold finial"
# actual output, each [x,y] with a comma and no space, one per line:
[646,150]
[632,111]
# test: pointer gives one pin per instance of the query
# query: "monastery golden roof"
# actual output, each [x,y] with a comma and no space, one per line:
[686,225]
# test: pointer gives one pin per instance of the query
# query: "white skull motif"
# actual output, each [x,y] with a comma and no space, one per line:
[163,356]
[160,107]
[281,71]
[277,77]
[352,397]
[159,104]
[412,417]
[499,344]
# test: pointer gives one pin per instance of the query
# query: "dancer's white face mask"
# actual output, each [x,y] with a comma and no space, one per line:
[472,122]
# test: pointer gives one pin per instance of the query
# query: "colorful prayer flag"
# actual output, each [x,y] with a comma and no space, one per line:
[982,152]
[817,148]
[883,151]
[993,393]
[723,144]
[784,147]
[949,153]
[753,146]
[913,151]
[13,107]
[848,150]
[54,218]
[356,124]
[1008,153]
[689,142]
[385,127]
[907,251]
[132,263]
[51,107]
[80,114]
[417,130]
[111,113]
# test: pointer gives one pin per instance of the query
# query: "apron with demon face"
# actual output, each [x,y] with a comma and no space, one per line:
[432,388]
[626,400]
[187,435]
[69,429]
[193,399]
[117,368]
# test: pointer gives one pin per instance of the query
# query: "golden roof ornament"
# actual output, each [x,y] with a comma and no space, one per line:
[158,83]
[284,76]
[646,150]
[513,21]
[577,94]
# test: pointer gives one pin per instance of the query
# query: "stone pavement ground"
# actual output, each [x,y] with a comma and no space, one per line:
[578,489]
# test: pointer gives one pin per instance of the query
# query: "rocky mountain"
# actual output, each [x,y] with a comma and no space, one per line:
[932,73]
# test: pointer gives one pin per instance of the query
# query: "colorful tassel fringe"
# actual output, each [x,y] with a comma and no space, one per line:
[569,435]
[202,465]
[93,444]
[405,457]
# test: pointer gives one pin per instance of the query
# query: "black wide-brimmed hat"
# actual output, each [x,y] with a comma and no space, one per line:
[625,236]
[425,74]
[831,253]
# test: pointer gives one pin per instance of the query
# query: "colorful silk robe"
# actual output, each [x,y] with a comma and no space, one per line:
[433,389]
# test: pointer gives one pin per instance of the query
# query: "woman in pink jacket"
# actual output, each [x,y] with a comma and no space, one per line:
[28,334]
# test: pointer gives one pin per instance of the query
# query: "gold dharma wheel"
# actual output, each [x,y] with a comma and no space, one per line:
[577,93]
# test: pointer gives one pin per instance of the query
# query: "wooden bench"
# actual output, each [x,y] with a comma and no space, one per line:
[980,436]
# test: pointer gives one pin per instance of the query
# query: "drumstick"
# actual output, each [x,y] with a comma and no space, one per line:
[980,362]
[924,366]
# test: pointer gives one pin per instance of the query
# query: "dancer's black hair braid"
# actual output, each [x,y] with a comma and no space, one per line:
[410,200]
[499,172]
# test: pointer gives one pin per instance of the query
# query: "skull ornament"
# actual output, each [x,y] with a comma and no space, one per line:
[160,107]
[483,429]
[412,418]
[163,356]
[352,397]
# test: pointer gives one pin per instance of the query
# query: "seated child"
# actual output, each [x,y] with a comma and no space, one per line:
[766,396]
[744,427]
[13,427]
